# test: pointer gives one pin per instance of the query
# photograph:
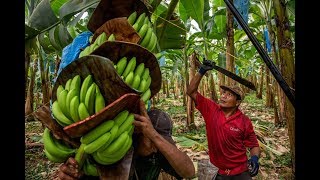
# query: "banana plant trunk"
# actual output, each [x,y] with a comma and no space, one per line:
[164,86]
[213,92]
[184,95]
[259,95]
[26,66]
[230,46]
[30,94]
[186,75]
[190,105]
[269,95]
[287,68]
[167,88]
[275,108]
[44,81]
[276,59]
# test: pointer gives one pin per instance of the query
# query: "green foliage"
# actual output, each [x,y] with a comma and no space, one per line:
[284,160]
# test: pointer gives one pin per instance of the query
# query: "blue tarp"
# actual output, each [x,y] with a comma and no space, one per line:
[72,51]
[266,39]
[243,8]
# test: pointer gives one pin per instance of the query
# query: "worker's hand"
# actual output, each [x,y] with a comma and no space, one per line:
[206,66]
[253,164]
[70,170]
[143,123]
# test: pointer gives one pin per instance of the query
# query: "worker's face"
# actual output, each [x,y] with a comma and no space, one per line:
[228,99]
[146,147]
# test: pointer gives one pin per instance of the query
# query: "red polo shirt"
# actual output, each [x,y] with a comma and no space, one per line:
[227,137]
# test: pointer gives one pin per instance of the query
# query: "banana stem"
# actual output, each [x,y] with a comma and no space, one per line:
[81,156]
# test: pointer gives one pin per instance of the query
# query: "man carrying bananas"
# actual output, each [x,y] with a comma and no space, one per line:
[229,131]
[154,150]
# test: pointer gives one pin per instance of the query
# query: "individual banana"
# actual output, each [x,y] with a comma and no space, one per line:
[101,39]
[121,152]
[116,144]
[121,65]
[145,41]
[136,82]
[121,117]
[62,102]
[76,83]
[131,65]
[112,37]
[90,97]
[152,41]
[132,18]
[53,158]
[146,95]
[143,30]
[131,130]
[134,63]
[96,144]
[59,115]
[50,145]
[72,93]
[114,133]
[97,132]
[139,22]
[125,126]
[148,83]
[145,74]
[129,78]
[99,102]
[59,90]
[68,83]
[142,86]
[90,169]
[74,108]
[83,111]
[139,70]
[85,86]
[106,159]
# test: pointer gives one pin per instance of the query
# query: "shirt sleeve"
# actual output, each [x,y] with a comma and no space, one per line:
[250,139]
[206,106]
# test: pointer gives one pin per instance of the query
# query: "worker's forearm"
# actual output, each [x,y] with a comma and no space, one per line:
[255,151]
[179,160]
[194,84]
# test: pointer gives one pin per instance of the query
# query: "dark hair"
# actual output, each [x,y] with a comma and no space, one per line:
[238,96]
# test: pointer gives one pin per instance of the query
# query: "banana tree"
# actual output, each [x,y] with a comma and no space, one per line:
[46,36]
[286,67]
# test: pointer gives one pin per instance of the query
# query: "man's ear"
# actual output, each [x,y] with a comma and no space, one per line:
[238,102]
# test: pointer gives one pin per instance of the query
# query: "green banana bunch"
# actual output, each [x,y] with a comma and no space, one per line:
[119,148]
[112,138]
[93,46]
[80,100]
[55,150]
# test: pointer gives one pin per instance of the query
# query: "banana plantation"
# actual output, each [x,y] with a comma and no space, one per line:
[165,42]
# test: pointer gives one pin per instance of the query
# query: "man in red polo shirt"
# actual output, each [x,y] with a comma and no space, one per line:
[229,131]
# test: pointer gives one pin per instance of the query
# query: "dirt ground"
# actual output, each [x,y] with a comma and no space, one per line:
[275,160]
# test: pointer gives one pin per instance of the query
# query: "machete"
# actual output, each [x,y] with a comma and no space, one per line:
[232,76]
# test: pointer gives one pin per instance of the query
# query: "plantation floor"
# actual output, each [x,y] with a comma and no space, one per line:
[275,161]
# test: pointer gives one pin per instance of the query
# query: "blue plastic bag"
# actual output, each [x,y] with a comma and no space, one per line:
[72,51]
